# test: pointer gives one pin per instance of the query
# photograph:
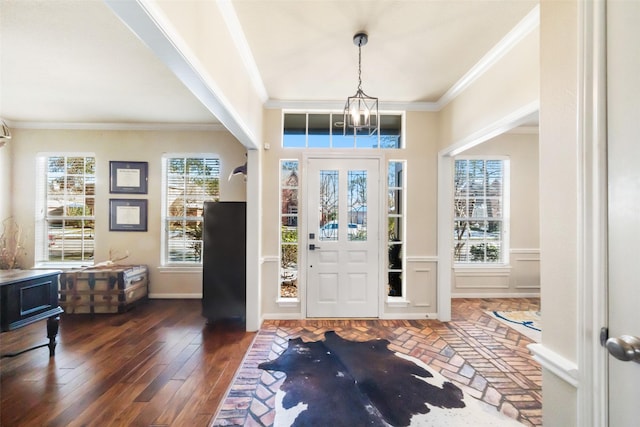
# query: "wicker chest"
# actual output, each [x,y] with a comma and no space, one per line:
[113,289]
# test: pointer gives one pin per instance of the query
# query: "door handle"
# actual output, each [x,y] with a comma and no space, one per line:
[313,247]
[625,348]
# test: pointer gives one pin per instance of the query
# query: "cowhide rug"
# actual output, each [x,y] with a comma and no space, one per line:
[336,382]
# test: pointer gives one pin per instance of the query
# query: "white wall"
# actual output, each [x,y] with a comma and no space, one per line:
[522,276]
[560,216]
[144,247]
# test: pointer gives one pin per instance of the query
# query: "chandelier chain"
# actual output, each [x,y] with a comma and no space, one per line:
[359,67]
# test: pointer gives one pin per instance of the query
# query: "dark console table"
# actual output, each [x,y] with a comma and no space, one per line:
[27,296]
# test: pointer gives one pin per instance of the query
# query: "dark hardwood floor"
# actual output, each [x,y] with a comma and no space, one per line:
[161,365]
[156,365]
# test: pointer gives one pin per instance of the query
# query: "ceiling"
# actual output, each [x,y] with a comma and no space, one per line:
[74,62]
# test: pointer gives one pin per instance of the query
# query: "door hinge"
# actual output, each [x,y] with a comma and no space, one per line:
[604,335]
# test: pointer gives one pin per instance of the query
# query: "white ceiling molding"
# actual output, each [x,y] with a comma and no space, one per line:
[508,42]
[522,116]
[235,29]
[339,105]
[120,126]
[149,24]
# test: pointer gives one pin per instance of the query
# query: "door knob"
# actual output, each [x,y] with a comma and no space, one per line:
[625,348]
[313,247]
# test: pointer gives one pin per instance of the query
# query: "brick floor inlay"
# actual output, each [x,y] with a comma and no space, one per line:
[485,358]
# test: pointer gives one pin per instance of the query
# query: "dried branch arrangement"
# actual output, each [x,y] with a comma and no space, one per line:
[10,244]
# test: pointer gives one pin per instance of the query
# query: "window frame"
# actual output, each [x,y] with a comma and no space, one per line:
[42,239]
[281,216]
[330,143]
[165,262]
[401,216]
[505,211]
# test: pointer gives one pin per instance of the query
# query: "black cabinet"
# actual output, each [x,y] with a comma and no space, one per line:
[27,296]
[224,288]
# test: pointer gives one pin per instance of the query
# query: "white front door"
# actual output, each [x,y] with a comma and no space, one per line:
[343,237]
[623,140]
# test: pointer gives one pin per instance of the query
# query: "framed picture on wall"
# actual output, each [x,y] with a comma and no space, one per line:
[128,177]
[127,215]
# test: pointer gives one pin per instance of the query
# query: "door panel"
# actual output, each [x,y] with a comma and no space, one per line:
[342,221]
[623,141]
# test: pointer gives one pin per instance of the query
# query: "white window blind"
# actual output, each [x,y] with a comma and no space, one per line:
[480,211]
[189,181]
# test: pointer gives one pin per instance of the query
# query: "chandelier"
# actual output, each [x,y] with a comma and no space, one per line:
[361,114]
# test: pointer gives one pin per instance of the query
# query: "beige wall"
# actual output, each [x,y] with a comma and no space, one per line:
[5,180]
[522,276]
[509,85]
[144,247]
[560,157]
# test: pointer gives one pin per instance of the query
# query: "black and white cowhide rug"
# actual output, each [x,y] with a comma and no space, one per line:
[336,382]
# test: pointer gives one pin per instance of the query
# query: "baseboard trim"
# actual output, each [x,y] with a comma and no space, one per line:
[497,295]
[175,296]
[282,316]
[558,365]
[408,316]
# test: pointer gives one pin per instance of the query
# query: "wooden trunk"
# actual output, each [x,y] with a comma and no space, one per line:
[112,289]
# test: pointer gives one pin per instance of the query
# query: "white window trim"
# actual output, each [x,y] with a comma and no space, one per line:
[40,228]
[504,265]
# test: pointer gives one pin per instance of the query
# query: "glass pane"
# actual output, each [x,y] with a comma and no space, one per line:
[366,141]
[289,234]
[461,251]
[493,208]
[494,230]
[357,205]
[479,208]
[394,229]
[75,185]
[319,128]
[494,178]
[395,284]
[460,208]
[390,130]
[289,173]
[75,206]
[395,174]
[294,132]
[289,199]
[395,256]
[328,221]
[289,271]
[395,202]
[75,166]
[338,140]
[485,252]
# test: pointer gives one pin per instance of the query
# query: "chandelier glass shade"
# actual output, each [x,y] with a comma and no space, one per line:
[361,115]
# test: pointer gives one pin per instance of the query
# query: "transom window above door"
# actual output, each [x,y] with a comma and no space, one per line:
[325,130]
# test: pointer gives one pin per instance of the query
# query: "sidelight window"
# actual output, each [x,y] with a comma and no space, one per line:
[289,193]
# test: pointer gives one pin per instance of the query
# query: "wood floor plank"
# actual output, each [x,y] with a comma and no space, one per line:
[160,364]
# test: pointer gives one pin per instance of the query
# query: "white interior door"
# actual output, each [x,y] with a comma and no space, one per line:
[623,140]
[343,242]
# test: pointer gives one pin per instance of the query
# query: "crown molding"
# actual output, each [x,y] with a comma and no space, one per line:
[508,42]
[276,104]
[118,126]
[237,35]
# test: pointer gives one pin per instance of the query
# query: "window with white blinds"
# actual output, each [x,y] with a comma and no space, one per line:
[65,203]
[481,211]
[189,181]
